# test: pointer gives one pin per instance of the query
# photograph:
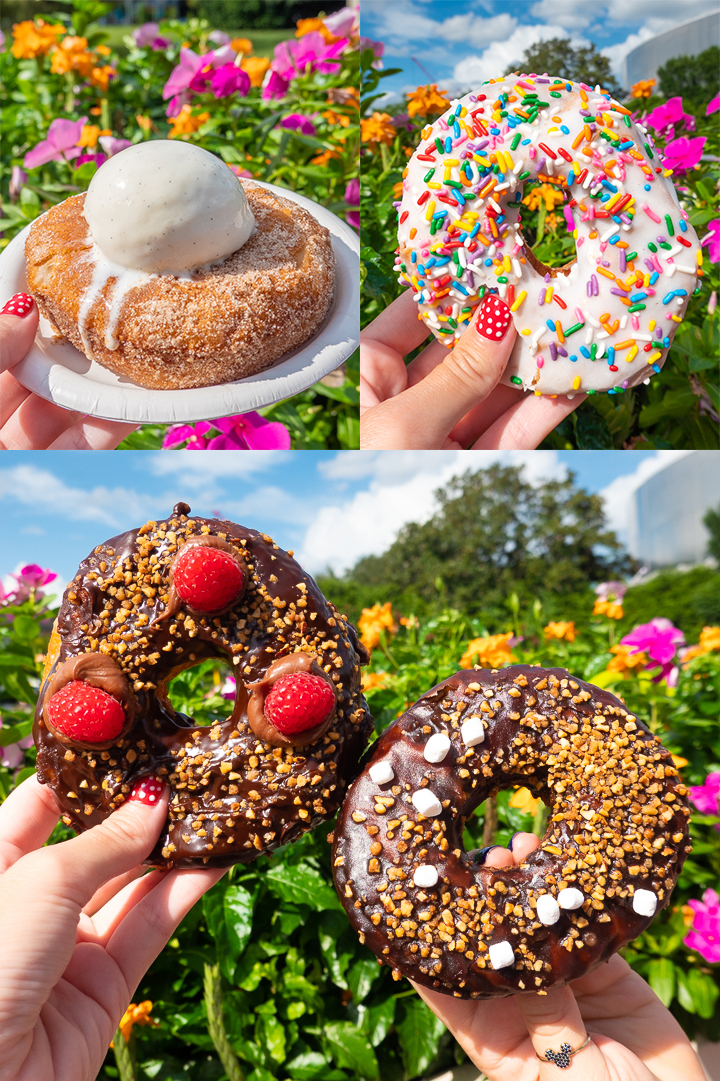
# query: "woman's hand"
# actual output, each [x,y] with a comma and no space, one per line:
[81,924]
[633,1036]
[448,401]
[28,422]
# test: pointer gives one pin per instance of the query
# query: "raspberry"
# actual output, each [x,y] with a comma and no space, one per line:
[207,579]
[298,702]
[86,713]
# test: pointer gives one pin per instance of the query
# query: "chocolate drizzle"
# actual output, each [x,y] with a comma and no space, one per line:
[264,728]
[234,794]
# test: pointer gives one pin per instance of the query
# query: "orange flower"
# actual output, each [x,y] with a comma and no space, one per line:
[242,45]
[33,39]
[103,50]
[611,609]
[398,190]
[379,128]
[643,89]
[490,652]
[375,620]
[546,194]
[90,134]
[71,54]
[523,800]
[144,122]
[306,26]
[709,642]
[185,123]
[372,681]
[561,630]
[679,762]
[100,77]
[324,157]
[624,662]
[426,100]
[255,66]
[336,118]
[136,1014]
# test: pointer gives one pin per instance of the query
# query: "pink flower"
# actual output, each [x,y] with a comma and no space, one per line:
[378,50]
[712,238]
[241,172]
[29,579]
[183,73]
[659,639]
[219,37]
[665,116]
[229,79]
[713,105]
[342,23]
[12,756]
[683,154]
[610,591]
[228,688]
[308,53]
[298,122]
[352,192]
[705,934]
[275,86]
[97,158]
[149,34]
[60,143]
[111,145]
[17,179]
[705,796]
[246,431]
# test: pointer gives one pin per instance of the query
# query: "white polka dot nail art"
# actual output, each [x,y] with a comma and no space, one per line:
[494,318]
[148,791]
[21,305]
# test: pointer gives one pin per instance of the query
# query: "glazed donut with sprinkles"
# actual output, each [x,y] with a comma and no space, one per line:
[616,839]
[605,321]
[160,599]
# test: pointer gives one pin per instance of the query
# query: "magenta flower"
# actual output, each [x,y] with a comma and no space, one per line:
[241,172]
[29,579]
[97,158]
[713,105]
[149,34]
[246,431]
[17,179]
[60,143]
[298,122]
[308,53]
[2,42]
[275,85]
[229,79]
[182,75]
[665,116]
[402,120]
[705,796]
[342,23]
[111,145]
[607,591]
[711,240]
[683,154]
[352,196]
[659,639]
[705,934]
[229,688]
[378,50]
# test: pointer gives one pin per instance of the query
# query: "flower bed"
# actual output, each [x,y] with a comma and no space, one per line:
[681,405]
[71,102]
[266,976]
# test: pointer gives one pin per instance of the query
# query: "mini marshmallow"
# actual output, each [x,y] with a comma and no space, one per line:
[501,955]
[644,902]
[425,875]
[473,731]
[548,910]
[437,747]
[426,803]
[570,899]
[381,773]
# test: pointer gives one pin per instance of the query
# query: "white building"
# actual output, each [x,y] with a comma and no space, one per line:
[685,39]
[666,524]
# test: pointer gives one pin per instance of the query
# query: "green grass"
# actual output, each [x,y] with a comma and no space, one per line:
[264,41]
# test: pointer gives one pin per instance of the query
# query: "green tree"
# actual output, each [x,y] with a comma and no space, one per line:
[711,521]
[693,78]
[494,534]
[260,14]
[581,65]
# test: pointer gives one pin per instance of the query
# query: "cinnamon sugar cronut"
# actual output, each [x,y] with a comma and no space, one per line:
[219,323]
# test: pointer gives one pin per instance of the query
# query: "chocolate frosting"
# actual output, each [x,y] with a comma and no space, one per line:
[618,823]
[234,795]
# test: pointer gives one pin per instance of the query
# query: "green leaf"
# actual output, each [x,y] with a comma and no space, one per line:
[274,1038]
[302,884]
[307,1066]
[661,977]
[11,733]
[684,994]
[350,1048]
[25,628]
[420,1032]
[238,909]
[703,991]
[379,1019]
[361,976]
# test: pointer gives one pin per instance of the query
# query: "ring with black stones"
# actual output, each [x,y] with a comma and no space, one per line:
[562,1057]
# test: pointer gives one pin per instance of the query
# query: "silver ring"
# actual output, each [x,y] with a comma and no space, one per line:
[561,1058]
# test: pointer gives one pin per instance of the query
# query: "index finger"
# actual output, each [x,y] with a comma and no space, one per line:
[398,327]
[27,818]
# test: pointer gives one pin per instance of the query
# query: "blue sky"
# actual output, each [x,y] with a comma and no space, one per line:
[461,44]
[330,507]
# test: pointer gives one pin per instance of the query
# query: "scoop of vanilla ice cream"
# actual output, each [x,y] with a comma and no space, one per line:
[165,206]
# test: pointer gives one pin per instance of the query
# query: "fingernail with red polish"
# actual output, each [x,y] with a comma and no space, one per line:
[148,790]
[21,305]
[494,319]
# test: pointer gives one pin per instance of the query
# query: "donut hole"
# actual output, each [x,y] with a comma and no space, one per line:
[515,814]
[206,692]
[549,245]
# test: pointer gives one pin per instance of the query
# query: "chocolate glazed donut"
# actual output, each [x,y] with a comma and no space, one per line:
[616,840]
[239,787]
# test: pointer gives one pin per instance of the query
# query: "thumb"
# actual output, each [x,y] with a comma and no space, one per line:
[18,325]
[556,1028]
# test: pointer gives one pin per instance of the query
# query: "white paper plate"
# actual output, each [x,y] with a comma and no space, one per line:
[55,370]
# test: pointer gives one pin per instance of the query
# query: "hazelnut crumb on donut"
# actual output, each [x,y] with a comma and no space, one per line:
[616,839]
[123,628]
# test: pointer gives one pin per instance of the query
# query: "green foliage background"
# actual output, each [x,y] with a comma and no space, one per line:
[681,405]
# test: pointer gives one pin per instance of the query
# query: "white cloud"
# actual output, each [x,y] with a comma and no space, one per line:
[400,24]
[216,464]
[572,14]
[500,57]
[658,15]
[401,489]
[42,490]
[618,495]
